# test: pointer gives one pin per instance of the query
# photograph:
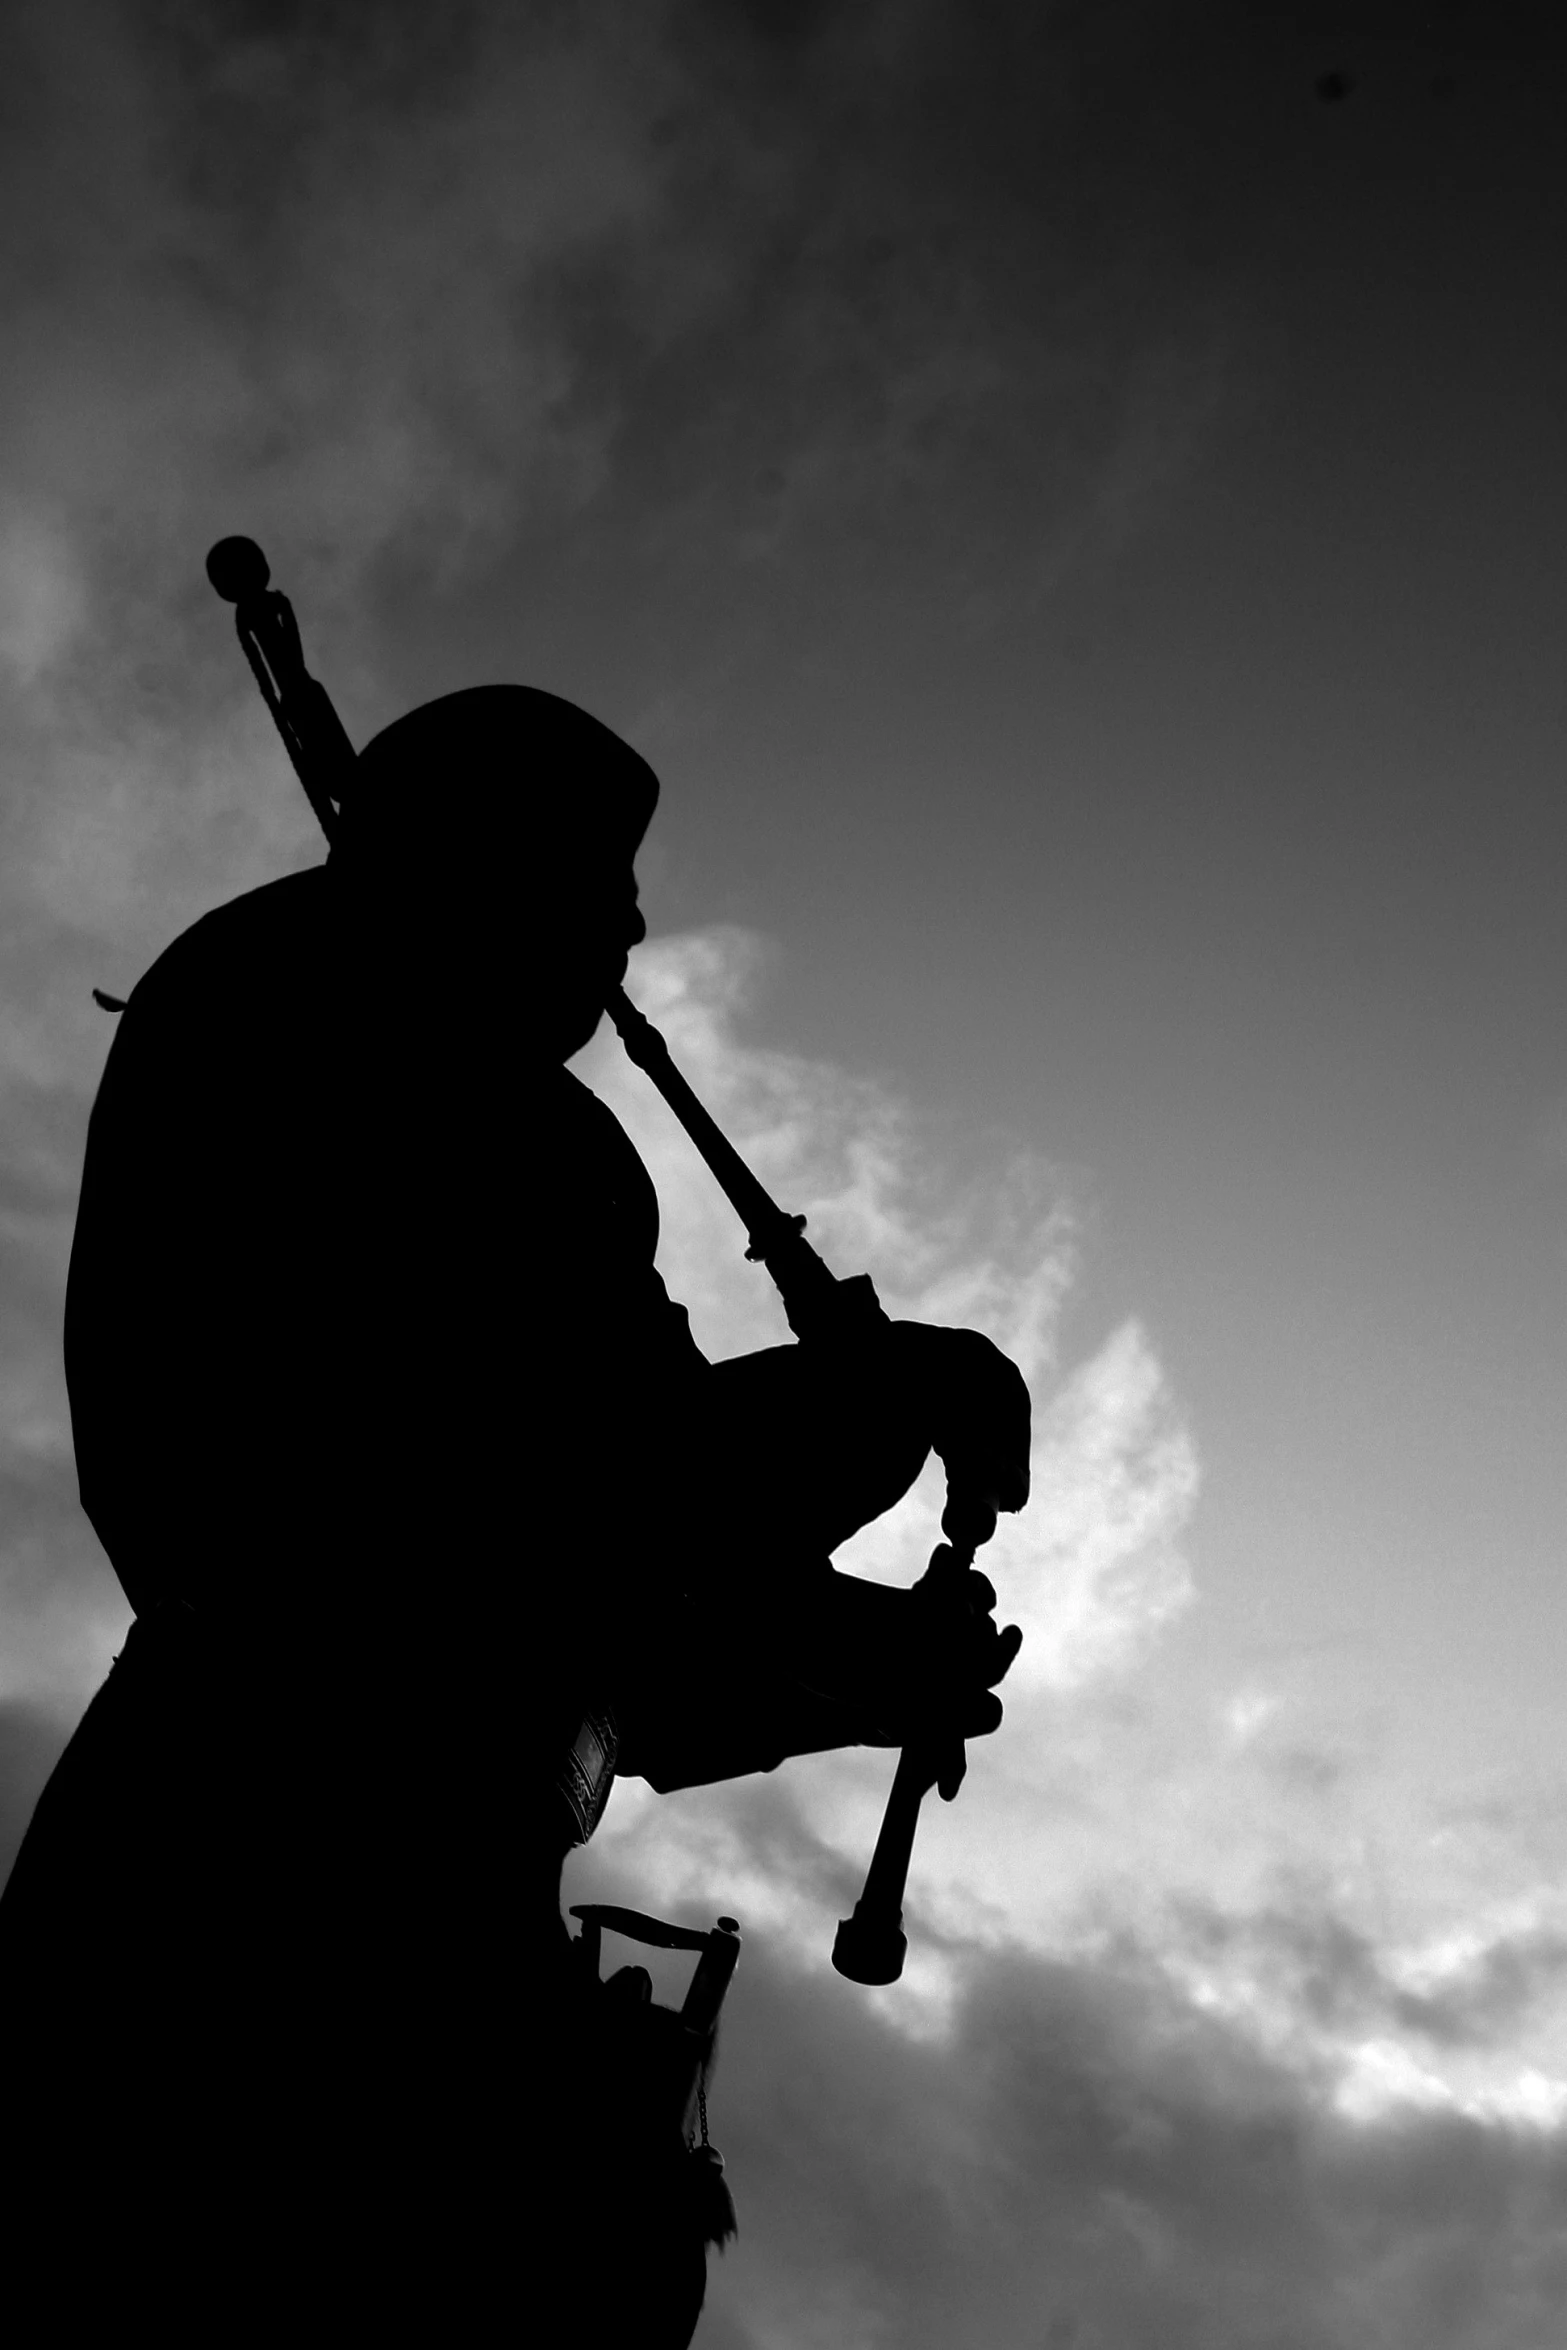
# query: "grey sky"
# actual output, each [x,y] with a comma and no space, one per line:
[1070,501]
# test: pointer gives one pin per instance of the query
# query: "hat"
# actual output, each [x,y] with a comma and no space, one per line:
[498,767]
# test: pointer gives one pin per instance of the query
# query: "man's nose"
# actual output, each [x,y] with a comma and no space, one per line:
[636,928]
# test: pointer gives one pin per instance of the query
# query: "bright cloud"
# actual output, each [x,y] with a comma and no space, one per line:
[1087,1853]
[1091,1568]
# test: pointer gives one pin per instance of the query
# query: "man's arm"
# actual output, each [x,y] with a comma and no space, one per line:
[755,1648]
[723,1691]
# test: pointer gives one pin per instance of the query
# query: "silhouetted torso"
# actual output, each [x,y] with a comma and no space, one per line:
[406,1459]
[369,1364]
[363,1331]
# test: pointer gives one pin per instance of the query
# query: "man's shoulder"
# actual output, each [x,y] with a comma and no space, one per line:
[243,996]
[246,946]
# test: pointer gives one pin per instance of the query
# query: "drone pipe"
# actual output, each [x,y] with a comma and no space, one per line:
[870,1944]
[813,1300]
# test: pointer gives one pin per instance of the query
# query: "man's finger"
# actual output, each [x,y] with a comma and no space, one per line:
[983,1718]
[1003,1652]
[981,1593]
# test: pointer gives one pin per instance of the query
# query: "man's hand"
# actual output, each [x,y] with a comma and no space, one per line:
[905,1665]
[835,1439]
[966,1655]
[972,1404]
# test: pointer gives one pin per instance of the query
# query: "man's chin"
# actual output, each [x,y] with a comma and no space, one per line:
[574,1030]
[569,1018]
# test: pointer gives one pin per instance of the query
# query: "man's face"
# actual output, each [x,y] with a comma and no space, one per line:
[553,950]
[591,930]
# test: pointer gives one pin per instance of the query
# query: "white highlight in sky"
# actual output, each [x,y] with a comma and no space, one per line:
[1091,1570]
[1089,1823]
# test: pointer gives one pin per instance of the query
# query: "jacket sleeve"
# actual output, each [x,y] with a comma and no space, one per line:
[705,1707]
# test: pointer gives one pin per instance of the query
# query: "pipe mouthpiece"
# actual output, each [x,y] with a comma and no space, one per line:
[238,570]
[869,1950]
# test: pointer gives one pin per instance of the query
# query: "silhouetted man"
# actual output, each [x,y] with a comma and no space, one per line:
[432,1514]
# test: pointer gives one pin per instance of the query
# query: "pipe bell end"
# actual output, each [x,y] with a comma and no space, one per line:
[869,1950]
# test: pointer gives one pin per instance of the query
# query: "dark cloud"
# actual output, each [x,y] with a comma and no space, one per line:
[1484,1990]
[391,286]
[1088,2158]
[31,1743]
[723,286]
[58,1601]
[1492,1995]
[37,1181]
[291,265]
[55,1586]
[1307,1772]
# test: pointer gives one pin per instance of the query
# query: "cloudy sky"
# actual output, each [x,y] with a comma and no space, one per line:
[1070,500]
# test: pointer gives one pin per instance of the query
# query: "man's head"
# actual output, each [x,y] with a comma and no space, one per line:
[495,832]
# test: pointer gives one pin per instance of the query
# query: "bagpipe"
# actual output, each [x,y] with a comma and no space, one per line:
[822,1310]
[657,2059]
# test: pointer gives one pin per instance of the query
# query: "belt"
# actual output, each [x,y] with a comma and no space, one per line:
[588,1771]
